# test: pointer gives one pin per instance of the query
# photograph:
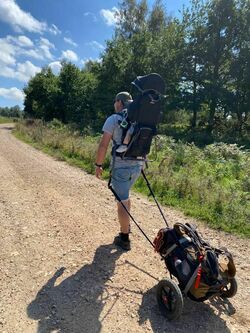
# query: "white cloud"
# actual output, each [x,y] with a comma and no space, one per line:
[46,42]
[20,20]
[89,14]
[25,41]
[69,41]
[86,60]
[7,52]
[46,52]
[12,93]
[55,66]
[12,14]
[45,45]
[7,71]
[69,55]
[22,71]
[21,41]
[95,45]
[34,53]
[26,70]
[110,17]
[54,30]
[11,47]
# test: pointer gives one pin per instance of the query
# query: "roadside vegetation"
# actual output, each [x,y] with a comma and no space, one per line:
[5,120]
[8,120]
[210,183]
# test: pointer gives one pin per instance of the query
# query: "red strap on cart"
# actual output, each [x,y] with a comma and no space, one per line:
[198,277]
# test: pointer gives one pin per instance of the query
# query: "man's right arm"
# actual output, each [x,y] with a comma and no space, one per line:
[101,152]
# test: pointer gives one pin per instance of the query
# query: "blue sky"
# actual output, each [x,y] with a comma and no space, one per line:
[35,33]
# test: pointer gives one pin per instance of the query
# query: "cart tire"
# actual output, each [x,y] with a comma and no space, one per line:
[169,298]
[231,289]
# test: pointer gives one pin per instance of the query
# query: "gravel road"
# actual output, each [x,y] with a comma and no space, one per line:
[60,271]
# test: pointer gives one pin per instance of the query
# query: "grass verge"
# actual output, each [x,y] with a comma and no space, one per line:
[5,120]
[211,184]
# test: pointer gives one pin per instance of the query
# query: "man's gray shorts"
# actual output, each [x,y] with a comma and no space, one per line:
[123,178]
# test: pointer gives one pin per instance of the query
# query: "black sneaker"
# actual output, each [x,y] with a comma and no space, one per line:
[125,245]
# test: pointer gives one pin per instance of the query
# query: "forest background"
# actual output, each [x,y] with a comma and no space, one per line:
[204,58]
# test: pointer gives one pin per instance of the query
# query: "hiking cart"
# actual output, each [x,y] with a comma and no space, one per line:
[200,270]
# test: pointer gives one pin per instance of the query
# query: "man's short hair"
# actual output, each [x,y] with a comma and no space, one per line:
[123,96]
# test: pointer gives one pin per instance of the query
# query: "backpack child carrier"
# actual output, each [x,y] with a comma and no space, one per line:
[143,115]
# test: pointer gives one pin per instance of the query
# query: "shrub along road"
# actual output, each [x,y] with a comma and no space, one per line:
[59,270]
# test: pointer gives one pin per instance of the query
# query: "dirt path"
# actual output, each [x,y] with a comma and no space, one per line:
[60,271]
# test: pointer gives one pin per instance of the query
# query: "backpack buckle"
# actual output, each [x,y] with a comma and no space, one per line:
[124,124]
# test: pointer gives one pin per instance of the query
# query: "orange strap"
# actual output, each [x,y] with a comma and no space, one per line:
[158,241]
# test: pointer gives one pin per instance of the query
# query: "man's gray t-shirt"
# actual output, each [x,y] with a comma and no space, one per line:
[112,127]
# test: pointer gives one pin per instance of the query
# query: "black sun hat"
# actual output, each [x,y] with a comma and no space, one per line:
[151,81]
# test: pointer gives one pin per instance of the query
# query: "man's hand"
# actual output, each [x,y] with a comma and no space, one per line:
[98,172]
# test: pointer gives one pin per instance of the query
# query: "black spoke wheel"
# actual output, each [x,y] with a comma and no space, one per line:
[169,298]
[230,289]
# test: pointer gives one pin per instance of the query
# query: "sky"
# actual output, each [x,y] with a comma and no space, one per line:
[34,34]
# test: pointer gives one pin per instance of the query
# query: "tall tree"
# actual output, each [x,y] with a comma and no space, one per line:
[239,88]
[194,21]
[70,84]
[166,53]
[132,17]
[218,45]
[40,95]
[157,18]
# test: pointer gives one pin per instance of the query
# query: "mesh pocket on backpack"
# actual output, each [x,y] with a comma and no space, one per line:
[141,142]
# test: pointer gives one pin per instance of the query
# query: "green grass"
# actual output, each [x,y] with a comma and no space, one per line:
[211,184]
[5,120]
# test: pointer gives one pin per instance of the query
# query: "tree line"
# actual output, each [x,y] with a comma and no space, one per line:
[204,58]
[11,112]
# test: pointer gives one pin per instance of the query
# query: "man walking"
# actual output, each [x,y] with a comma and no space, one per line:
[124,172]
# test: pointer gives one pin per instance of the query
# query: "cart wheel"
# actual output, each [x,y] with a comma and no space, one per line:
[169,298]
[230,289]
